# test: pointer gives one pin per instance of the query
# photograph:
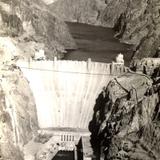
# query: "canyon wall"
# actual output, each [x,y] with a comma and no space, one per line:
[126,125]
[28,26]
[82,11]
[136,22]
[18,116]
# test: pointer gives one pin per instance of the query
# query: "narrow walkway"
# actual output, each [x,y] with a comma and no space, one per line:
[97,43]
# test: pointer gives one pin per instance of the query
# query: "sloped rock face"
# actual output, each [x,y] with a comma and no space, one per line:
[82,11]
[32,27]
[126,125]
[136,22]
[18,119]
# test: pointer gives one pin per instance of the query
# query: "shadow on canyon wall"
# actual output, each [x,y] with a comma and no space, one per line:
[125,125]
[94,125]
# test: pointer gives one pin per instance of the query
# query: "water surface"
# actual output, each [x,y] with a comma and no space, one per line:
[97,43]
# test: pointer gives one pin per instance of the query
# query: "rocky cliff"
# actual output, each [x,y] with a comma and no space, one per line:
[135,22]
[28,26]
[82,11]
[18,119]
[126,122]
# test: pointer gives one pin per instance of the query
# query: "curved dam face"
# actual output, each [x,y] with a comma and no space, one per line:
[65,91]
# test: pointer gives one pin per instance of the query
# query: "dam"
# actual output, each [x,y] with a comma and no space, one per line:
[65,91]
[65,94]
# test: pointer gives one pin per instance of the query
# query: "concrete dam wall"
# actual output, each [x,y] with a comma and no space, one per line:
[65,91]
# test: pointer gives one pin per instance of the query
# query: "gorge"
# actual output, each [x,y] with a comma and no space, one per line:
[80,79]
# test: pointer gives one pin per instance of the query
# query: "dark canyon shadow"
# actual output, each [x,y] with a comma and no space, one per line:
[94,125]
[64,155]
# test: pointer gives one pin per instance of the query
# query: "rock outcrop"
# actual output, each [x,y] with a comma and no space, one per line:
[126,124]
[136,22]
[18,118]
